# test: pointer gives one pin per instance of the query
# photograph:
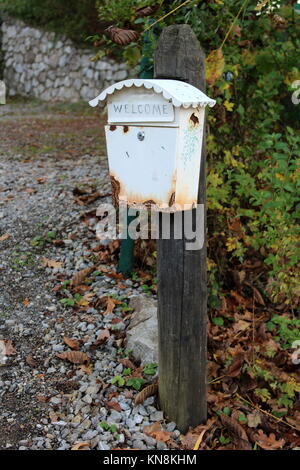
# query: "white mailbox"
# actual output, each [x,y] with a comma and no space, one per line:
[154,140]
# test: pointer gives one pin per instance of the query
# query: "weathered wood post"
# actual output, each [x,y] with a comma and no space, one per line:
[182,289]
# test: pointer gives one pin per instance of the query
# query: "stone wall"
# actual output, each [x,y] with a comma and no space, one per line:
[49,67]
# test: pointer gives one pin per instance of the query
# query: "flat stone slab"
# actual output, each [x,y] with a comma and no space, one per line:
[142,332]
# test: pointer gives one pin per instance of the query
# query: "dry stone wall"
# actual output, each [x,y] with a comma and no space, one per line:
[44,65]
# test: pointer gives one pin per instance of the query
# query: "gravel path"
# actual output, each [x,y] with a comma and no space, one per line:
[46,237]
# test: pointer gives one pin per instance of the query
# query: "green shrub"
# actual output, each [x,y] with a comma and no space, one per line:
[253,140]
[75,18]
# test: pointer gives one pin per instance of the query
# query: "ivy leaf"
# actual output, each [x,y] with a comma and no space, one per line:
[215,64]
[123,37]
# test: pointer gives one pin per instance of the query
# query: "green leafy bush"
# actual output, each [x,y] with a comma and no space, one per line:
[253,140]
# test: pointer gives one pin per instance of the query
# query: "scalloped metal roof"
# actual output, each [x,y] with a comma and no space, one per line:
[179,93]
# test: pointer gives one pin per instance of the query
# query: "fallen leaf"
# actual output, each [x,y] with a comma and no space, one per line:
[194,436]
[4,237]
[86,299]
[72,343]
[86,369]
[237,433]
[240,325]
[6,347]
[30,361]
[268,443]
[110,305]
[235,367]
[50,263]
[75,357]
[127,363]
[41,180]
[42,399]
[30,190]
[79,277]
[101,338]
[146,393]
[156,431]
[254,419]
[81,446]
[26,302]
[113,404]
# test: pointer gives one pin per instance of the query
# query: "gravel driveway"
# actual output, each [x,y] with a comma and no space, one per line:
[46,235]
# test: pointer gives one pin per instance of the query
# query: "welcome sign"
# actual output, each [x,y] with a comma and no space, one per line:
[140,108]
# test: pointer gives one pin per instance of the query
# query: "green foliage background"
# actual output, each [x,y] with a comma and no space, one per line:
[75,18]
[253,138]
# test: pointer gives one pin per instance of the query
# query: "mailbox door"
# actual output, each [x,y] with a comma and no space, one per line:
[142,161]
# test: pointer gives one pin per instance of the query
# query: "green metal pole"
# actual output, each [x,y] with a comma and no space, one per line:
[125,265]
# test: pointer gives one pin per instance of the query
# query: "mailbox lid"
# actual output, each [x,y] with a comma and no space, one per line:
[142,163]
[180,94]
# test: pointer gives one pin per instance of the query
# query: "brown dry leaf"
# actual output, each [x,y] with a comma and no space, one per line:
[254,419]
[26,302]
[6,347]
[79,277]
[72,343]
[86,299]
[4,237]
[123,37]
[146,393]
[240,325]
[104,335]
[127,363]
[215,63]
[237,433]
[156,431]
[295,420]
[42,399]
[30,361]
[76,357]
[235,367]
[42,180]
[110,305]
[30,190]
[50,263]
[81,446]
[236,30]
[194,436]
[146,11]
[86,369]
[268,443]
[113,404]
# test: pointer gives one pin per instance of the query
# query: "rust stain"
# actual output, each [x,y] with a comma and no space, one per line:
[172,200]
[125,129]
[194,119]
[112,128]
[149,203]
[115,190]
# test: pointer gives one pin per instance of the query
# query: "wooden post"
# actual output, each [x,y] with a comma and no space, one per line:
[182,289]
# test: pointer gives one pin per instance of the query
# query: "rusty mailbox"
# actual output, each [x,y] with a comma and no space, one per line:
[154,140]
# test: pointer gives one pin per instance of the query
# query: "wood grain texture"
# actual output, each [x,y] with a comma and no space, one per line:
[182,283]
